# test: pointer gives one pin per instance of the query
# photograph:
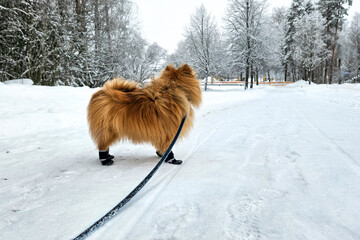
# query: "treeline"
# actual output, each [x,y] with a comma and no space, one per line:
[308,41]
[73,42]
[86,42]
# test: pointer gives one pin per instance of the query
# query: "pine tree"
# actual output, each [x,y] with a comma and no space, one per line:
[296,11]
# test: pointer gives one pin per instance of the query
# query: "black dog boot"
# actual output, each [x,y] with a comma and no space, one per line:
[170,158]
[105,157]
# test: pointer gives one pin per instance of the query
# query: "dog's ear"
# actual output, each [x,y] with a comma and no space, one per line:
[185,69]
[170,68]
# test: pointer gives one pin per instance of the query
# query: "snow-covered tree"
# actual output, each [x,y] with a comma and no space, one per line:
[71,42]
[296,11]
[181,54]
[17,29]
[201,47]
[115,39]
[145,60]
[244,20]
[351,49]
[270,53]
[309,44]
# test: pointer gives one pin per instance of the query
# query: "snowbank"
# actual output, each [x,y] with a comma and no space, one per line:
[297,84]
[24,81]
[30,109]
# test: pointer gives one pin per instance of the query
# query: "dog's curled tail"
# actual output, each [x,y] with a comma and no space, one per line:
[121,85]
[118,88]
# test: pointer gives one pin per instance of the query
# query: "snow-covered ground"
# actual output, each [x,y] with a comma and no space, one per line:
[268,163]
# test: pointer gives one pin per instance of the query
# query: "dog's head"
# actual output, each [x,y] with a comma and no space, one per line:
[185,78]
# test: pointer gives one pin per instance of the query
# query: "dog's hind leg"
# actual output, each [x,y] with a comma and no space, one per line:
[161,147]
[105,139]
[170,158]
[105,157]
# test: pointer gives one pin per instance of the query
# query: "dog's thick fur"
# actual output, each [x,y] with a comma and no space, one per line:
[122,110]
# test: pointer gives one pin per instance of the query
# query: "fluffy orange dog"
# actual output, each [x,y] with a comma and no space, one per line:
[121,110]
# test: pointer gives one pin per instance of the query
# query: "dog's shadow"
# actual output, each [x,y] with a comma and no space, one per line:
[131,161]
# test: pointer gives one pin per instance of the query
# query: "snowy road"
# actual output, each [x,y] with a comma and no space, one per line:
[269,163]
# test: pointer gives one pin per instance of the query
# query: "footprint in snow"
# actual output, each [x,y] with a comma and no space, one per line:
[243,214]
[175,218]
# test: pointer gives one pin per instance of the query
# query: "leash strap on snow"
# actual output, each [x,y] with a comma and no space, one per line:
[121,204]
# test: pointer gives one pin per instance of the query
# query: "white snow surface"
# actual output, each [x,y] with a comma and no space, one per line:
[266,163]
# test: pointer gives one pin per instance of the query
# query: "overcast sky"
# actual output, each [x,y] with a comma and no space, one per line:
[164,21]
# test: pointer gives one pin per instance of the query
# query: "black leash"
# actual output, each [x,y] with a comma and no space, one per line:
[121,204]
